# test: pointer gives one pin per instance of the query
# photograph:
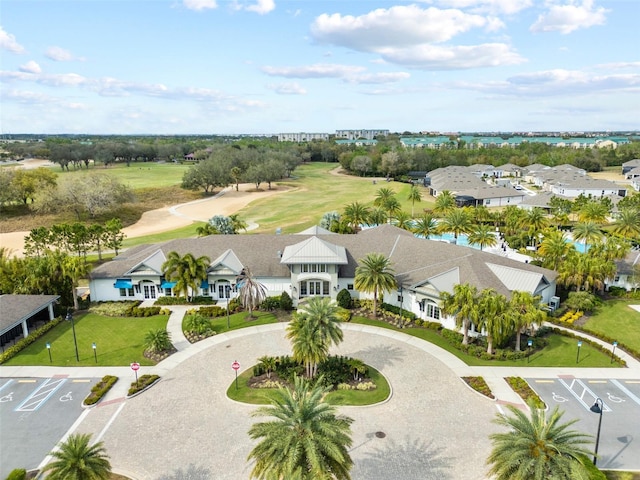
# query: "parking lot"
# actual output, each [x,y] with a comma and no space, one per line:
[34,414]
[619,447]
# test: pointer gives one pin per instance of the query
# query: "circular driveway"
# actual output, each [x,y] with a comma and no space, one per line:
[186,428]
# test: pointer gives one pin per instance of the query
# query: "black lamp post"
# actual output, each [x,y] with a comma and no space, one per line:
[69,318]
[95,351]
[597,407]
[613,351]
[529,345]
[49,350]
[578,354]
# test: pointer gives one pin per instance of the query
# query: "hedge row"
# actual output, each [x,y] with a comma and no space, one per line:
[199,300]
[144,381]
[522,388]
[479,384]
[33,336]
[393,309]
[100,389]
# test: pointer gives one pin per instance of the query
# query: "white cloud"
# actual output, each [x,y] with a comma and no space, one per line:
[399,26]
[26,97]
[58,54]
[570,17]
[436,57]
[8,42]
[378,78]
[287,88]
[198,5]
[557,82]
[262,7]
[508,7]
[30,67]
[319,70]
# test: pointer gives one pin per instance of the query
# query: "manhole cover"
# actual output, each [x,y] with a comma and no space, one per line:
[381,434]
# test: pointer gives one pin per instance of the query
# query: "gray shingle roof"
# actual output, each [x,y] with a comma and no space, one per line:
[17,308]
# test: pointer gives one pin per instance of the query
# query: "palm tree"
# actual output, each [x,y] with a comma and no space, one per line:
[375,275]
[457,221]
[187,271]
[77,460]
[537,448]
[356,214]
[492,308]
[305,440]
[392,207]
[237,223]
[593,211]
[250,292]
[445,203]
[415,196]
[157,340]
[524,311]
[377,216]
[268,363]
[462,304]
[483,235]
[403,220]
[554,249]
[305,345]
[382,197]
[533,222]
[627,223]
[73,268]
[512,219]
[206,229]
[425,226]
[588,232]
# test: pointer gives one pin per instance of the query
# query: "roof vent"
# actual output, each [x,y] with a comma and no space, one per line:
[279,253]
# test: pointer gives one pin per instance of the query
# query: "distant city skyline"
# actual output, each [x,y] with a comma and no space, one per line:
[171,67]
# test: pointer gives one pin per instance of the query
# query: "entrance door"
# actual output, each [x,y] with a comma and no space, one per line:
[149,291]
[315,288]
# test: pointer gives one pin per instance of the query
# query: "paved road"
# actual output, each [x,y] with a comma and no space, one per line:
[620,433]
[48,406]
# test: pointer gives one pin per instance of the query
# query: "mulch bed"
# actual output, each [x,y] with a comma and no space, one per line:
[159,356]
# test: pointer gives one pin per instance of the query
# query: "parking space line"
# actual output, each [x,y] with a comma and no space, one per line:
[632,381]
[626,391]
[544,381]
[30,380]
[585,389]
[40,395]
[3,386]
[596,381]
[81,380]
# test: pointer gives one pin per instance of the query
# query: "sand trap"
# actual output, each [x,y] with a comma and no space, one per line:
[166,219]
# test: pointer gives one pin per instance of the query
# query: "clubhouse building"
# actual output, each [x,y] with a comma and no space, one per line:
[320,263]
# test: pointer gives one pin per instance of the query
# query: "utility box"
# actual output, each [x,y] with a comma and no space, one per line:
[554,303]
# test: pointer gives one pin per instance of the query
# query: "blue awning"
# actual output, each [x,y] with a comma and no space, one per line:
[204,284]
[168,284]
[123,283]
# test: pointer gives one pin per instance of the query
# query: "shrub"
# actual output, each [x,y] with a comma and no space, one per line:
[343,314]
[286,303]
[479,385]
[344,298]
[393,309]
[234,305]
[270,304]
[143,382]
[198,324]
[17,474]
[364,386]
[617,291]
[142,312]
[213,311]
[522,388]
[114,309]
[100,389]
[198,300]
[33,336]
[157,341]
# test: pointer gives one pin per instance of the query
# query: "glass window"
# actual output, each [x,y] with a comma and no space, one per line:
[350,286]
[123,292]
[130,292]
[325,288]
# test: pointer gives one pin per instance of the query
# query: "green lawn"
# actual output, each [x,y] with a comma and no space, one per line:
[119,341]
[262,396]
[561,351]
[138,175]
[617,320]
[240,320]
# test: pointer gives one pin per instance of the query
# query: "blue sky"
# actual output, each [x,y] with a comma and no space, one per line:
[270,66]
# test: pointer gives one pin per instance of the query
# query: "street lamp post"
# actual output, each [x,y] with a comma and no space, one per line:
[69,318]
[613,351]
[578,354]
[95,351]
[598,408]
[49,350]
[529,345]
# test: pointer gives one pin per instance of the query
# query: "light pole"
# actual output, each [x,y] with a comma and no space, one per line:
[95,351]
[49,350]
[613,352]
[69,318]
[578,355]
[529,345]
[597,407]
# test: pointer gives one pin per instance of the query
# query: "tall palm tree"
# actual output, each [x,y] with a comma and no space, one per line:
[462,304]
[305,440]
[306,347]
[627,223]
[512,216]
[377,216]
[77,460]
[524,311]
[537,448]
[73,268]
[187,271]
[481,214]
[250,292]
[457,221]
[554,248]
[425,226]
[237,223]
[587,232]
[375,275]
[415,196]
[445,203]
[356,214]
[533,222]
[593,211]
[492,319]
[483,235]
[403,220]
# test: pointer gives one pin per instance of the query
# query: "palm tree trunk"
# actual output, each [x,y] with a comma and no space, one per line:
[518,333]
[490,344]
[465,332]
[375,304]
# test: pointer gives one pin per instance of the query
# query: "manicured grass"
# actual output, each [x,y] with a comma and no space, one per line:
[119,341]
[611,475]
[183,232]
[138,175]
[561,351]
[263,396]
[617,320]
[239,320]
[318,192]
